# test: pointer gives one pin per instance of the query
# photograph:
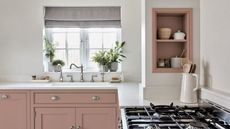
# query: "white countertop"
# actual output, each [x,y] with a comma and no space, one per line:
[128,93]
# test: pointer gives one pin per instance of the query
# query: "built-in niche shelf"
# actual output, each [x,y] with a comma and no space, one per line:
[170,41]
[168,70]
[175,19]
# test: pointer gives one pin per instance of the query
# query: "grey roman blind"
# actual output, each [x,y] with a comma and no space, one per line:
[83,17]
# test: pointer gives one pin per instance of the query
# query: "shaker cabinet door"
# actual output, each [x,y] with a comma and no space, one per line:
[96,118]
[55,118]
[13,111]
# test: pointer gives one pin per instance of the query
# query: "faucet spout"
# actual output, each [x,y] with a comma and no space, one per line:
[61,74]
[79,67]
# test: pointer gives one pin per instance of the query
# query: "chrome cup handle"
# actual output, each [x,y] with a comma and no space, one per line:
[96,98]
[54,98]
[4,96]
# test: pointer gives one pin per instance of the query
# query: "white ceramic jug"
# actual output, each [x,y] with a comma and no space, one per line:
[189,88]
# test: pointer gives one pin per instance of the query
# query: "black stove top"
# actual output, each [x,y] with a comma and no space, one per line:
[176,117]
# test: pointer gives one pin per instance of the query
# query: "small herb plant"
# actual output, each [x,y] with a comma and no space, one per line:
[101,57]
[116,54]
[49,50]
[56,62]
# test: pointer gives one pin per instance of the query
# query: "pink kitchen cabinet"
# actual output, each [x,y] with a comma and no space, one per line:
[75,109]
[55,118]
[14,110]
[96,118]
[59,109]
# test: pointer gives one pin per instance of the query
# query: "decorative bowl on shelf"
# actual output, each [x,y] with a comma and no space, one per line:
[179,35]
[164,33]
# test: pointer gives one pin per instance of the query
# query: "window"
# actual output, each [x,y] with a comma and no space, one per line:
[78,45]
[80,32]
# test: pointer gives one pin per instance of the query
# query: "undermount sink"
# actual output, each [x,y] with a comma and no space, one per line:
[79,84]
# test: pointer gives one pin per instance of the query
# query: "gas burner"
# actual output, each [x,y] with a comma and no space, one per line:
[151,127]
[176,117]
[163,108]
[197,125]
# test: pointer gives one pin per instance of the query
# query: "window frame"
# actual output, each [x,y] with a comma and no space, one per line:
[84,49]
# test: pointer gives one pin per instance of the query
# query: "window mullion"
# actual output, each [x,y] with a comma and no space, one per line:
[86,48]
[82,46]
[66,49]
[102,39]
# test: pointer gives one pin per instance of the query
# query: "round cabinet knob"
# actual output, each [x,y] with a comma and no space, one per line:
[54,98]
[95,98]
[72,127]
[78,127]
[4,97]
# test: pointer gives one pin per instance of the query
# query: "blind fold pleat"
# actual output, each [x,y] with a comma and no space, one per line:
[83,17]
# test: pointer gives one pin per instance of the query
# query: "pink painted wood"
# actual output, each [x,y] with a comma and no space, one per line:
[55,118]
[176,19]
[19,111]
[13,110]
[96,118]
[44,98]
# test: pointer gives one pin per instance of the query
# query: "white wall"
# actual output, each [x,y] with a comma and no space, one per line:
[167,85]
[131,33]
[21,35]
[215,45]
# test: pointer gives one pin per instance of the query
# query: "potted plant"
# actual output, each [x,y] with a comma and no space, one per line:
[49,50]
[116,56]
[49,53]
[102,59]
[55,63]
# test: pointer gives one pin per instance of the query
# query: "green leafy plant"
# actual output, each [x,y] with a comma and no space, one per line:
[49,50]
[56,62]
[116,54]
[101,57]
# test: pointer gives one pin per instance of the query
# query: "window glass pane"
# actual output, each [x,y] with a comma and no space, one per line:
[60,54]
[109,39]
[59,40]
[91,54]
[74,57]
[95,40]
[73,40]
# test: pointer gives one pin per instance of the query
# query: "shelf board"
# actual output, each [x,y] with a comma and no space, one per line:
[170,41]
[168,70]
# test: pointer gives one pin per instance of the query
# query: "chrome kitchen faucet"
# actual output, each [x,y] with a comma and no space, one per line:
[61,74]
[79,67]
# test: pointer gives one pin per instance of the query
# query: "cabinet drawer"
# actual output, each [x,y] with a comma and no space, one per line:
[71,98]
[5,96]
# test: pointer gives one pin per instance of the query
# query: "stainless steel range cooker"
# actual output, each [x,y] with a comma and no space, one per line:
[205,116]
